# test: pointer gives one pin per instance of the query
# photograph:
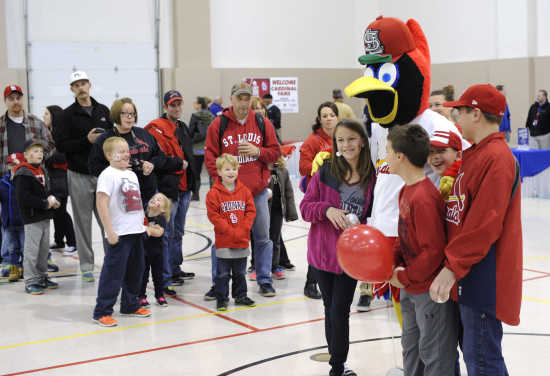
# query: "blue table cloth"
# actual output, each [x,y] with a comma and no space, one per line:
[532,162]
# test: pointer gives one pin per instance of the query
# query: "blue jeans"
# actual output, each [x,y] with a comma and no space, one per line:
[263,246]
[172,244]
[482,343]
[122,268]
[13,239]
[234,269]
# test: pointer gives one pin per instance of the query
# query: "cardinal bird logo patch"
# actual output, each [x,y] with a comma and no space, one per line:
[372,42]
[132,198]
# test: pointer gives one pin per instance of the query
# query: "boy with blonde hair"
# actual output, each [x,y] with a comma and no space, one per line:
[121,212]
[230,208]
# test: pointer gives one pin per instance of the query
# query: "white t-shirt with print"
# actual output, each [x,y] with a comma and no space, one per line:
[125,206]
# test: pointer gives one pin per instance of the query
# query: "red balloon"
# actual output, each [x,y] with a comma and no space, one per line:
[365,254]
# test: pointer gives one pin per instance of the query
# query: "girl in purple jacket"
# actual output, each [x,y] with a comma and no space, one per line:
[340,188]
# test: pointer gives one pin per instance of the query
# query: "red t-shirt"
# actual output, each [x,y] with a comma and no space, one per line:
[422,236]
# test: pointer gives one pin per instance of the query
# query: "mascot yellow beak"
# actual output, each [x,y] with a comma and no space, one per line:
[368,87]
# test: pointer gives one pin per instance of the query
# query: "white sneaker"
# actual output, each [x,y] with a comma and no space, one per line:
[69,251]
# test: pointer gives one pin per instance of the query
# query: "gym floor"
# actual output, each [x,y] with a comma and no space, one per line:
[53,334]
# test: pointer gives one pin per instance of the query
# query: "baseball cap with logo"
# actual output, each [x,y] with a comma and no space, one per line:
[12,89]
[386,39]
[485,97]
[171,96]
[446,139]
[16,158]
[241,88]
[77,76]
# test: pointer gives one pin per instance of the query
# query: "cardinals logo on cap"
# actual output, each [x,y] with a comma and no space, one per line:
[372,42]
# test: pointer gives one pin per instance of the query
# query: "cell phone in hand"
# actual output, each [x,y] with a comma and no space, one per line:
[99,130]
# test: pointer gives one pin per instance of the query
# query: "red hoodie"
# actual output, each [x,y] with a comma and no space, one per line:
[253,171]
[231,213]
[485,249]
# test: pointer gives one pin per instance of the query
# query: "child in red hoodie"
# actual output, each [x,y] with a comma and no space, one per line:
[230,208]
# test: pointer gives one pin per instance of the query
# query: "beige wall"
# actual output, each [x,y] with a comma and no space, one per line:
[193,74]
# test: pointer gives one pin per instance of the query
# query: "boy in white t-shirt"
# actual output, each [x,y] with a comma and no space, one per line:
[121,212]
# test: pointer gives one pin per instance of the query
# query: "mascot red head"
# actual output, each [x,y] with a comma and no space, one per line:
[396,82]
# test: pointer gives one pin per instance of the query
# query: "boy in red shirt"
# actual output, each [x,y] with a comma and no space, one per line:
[484,255]
[230,208]
[430,335]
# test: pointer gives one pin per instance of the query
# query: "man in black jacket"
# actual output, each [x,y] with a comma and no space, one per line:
[83,122]
[538,122]
[273,113]
[173,138]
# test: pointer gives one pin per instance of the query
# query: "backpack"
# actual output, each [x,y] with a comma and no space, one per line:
[224,120]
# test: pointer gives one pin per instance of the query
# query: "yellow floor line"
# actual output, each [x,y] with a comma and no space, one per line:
[207,227]
[146,324]
[535,258]
[537,300]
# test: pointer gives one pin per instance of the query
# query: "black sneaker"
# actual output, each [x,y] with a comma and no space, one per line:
[162,302]
[169,291]
[177,281]
[287,266]
[187,275]
[210,295]
[48,284]
[363,305]
[267,290]
[246,301]
[310,290]
[250,269]
[221,305]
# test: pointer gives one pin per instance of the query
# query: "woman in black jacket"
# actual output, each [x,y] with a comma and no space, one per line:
[57,169]
[146,158]
[198,125]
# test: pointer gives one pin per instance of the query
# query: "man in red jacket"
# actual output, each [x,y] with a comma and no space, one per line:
[254,149]
[483,266]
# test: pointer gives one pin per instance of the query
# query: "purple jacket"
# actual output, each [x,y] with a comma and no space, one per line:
[322,193]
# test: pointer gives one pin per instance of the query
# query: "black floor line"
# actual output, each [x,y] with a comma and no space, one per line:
[249,365]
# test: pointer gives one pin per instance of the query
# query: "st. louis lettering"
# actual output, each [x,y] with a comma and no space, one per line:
[233,205]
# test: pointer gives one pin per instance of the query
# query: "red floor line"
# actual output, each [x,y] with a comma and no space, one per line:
[217,314]
[539,277]
[176,345]
[536,271]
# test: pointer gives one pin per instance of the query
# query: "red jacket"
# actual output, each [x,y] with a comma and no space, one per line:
[164,131]
[253,171]
[231,213]
[315,143]
[485,250]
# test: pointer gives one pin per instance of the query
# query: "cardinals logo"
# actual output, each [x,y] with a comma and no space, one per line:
[233,218]
[372,42]
[456,201]
[132,198]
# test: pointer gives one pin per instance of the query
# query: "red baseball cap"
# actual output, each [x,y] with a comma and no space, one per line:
[446,139]
[388,36]
[16,158]
[12,89]
[485,97]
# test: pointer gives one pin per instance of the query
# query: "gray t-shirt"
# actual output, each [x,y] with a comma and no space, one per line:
[352,198]
[16,136]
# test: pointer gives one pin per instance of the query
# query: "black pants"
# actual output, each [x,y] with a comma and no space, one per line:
[63,226]
[275,226]
[337,291]
[197,168]
[234,269]
[154,261]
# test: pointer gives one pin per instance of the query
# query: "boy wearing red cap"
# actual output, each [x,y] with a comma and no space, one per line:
[483,266]
[445,158]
